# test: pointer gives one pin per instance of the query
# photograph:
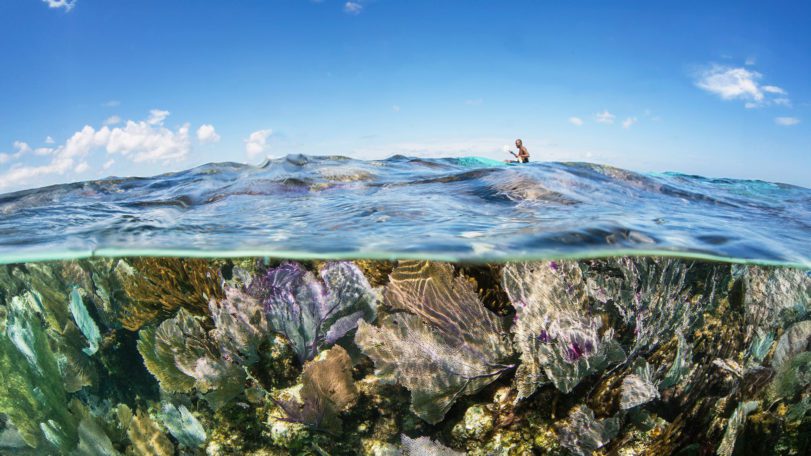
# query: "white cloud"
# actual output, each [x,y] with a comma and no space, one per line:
[207,134]
[49,140]
[256,143]
[786,121]
[628,122]
[576,121]
[353,7]
[605,117]
[395,108]
[782,101]
[66,4]
[139,141]
[773,89]
[739,84]
[750,61]
[4,157]
[146,142]
[157,116]
[111,103]
[22,149]
[112,120]
[108,164]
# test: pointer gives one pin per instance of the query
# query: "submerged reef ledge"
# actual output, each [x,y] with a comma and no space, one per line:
[639,355]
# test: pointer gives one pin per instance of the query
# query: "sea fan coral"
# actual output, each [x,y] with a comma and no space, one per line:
[652,296]
[147,438]
[33,395]
[312,313]
[328,389]
[162,285]
[558,337]
[181,356]
[584,433]
[442,344]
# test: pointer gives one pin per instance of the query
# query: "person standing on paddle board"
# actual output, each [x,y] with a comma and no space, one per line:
[522,155]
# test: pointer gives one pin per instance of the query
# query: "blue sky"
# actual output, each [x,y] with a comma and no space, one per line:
[93,88]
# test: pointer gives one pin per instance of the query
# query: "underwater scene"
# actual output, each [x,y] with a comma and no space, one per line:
[328,306]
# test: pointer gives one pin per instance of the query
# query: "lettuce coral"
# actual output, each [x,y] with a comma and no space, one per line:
[441,344]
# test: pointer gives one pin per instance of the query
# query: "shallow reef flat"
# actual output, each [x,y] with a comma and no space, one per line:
[627,356]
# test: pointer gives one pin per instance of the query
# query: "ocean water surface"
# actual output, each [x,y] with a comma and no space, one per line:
[454,209]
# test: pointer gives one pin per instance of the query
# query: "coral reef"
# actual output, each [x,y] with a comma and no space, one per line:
[627,356]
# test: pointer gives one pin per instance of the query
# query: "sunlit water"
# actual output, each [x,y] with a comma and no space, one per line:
[455,209]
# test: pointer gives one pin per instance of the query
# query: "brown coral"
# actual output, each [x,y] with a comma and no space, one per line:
[147,438]
[162,285]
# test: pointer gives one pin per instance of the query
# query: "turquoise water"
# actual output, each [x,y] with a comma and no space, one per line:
[453,209]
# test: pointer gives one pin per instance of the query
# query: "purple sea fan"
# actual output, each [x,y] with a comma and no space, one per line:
[558,339]
[313,313]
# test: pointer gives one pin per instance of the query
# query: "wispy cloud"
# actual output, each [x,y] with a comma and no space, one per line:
[474,102]
[138,141]
[49,140]
[112,120]
[111,104]
[628,122]
[67,5]
[395,108]
[605,117]
[157,116]
[750,61]
[730,83]
[256,143]
[786,121]
[207,134]
[353,7]
[576,121]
